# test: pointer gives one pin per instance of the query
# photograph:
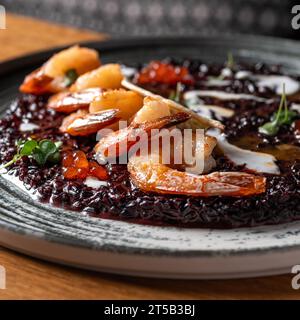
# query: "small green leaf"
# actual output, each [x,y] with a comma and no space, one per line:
[290,117]
[41,152]
[39,157]
[279,118]
[58,144]
[269,128]
[70,77]
[55,157]
[47,147]
[286,118]
[28,147]
[45,150]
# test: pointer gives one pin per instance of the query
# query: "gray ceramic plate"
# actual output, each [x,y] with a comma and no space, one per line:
[119,247]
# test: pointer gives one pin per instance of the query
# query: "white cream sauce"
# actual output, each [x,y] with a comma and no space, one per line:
[128,72]
[27,127]
[226,72]
[295,107]
[207,110]
[198,105]
[95,183]
[215,82]
[256,161]
[221,95]
[274,82]
[243,74]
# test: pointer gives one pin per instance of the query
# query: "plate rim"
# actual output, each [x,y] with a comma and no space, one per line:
[11,65]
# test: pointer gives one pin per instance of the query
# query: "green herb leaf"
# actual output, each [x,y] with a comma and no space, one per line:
[47,146]
[230,60]
[58,144]
[287,117]
[175,95]
[269,129]
[47,149]
[55,157]
[70,77]
[279,118]
[28,147]
[39,157]
[42,151]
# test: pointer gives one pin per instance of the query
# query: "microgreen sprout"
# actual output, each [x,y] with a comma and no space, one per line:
[41,151]
[230,60]
[229,65]
[283,116]
[175,94]
[70,77]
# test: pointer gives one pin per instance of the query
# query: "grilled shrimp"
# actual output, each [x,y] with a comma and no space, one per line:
[150,117]
[199,159]
[128,102]
[51,77]
[71,118]
[82,123]
[121,141]
[152,109]
[37,82]
[71,101]
[150,175]
[108,76]
[196,121]
[201,148]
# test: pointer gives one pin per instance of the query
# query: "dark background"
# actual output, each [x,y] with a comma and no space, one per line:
[165,17]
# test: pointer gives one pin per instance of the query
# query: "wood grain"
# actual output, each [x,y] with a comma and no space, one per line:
[24,35]
[32,279]
[29,278]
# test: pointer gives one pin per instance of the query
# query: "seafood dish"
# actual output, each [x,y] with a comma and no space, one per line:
[169,142]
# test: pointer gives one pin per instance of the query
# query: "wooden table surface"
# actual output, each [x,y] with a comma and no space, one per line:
[29,278]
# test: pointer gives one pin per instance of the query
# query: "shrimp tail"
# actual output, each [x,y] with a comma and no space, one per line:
[37,82]
[151,176]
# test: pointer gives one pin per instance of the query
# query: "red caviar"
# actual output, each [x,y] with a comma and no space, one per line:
[161,72]
[98,171]
[76,166]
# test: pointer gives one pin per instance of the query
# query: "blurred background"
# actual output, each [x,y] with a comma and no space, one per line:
[165,17]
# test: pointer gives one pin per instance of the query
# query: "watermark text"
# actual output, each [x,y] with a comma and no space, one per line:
[2,278]
[296,278]
[2,17]
[183,148]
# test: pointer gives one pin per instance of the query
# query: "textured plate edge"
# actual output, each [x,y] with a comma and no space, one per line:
[10,65]
[236,270]
[117,43]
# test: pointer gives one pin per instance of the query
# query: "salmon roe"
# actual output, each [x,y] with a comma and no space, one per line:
[98,171]
[161,72]
[76,166]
